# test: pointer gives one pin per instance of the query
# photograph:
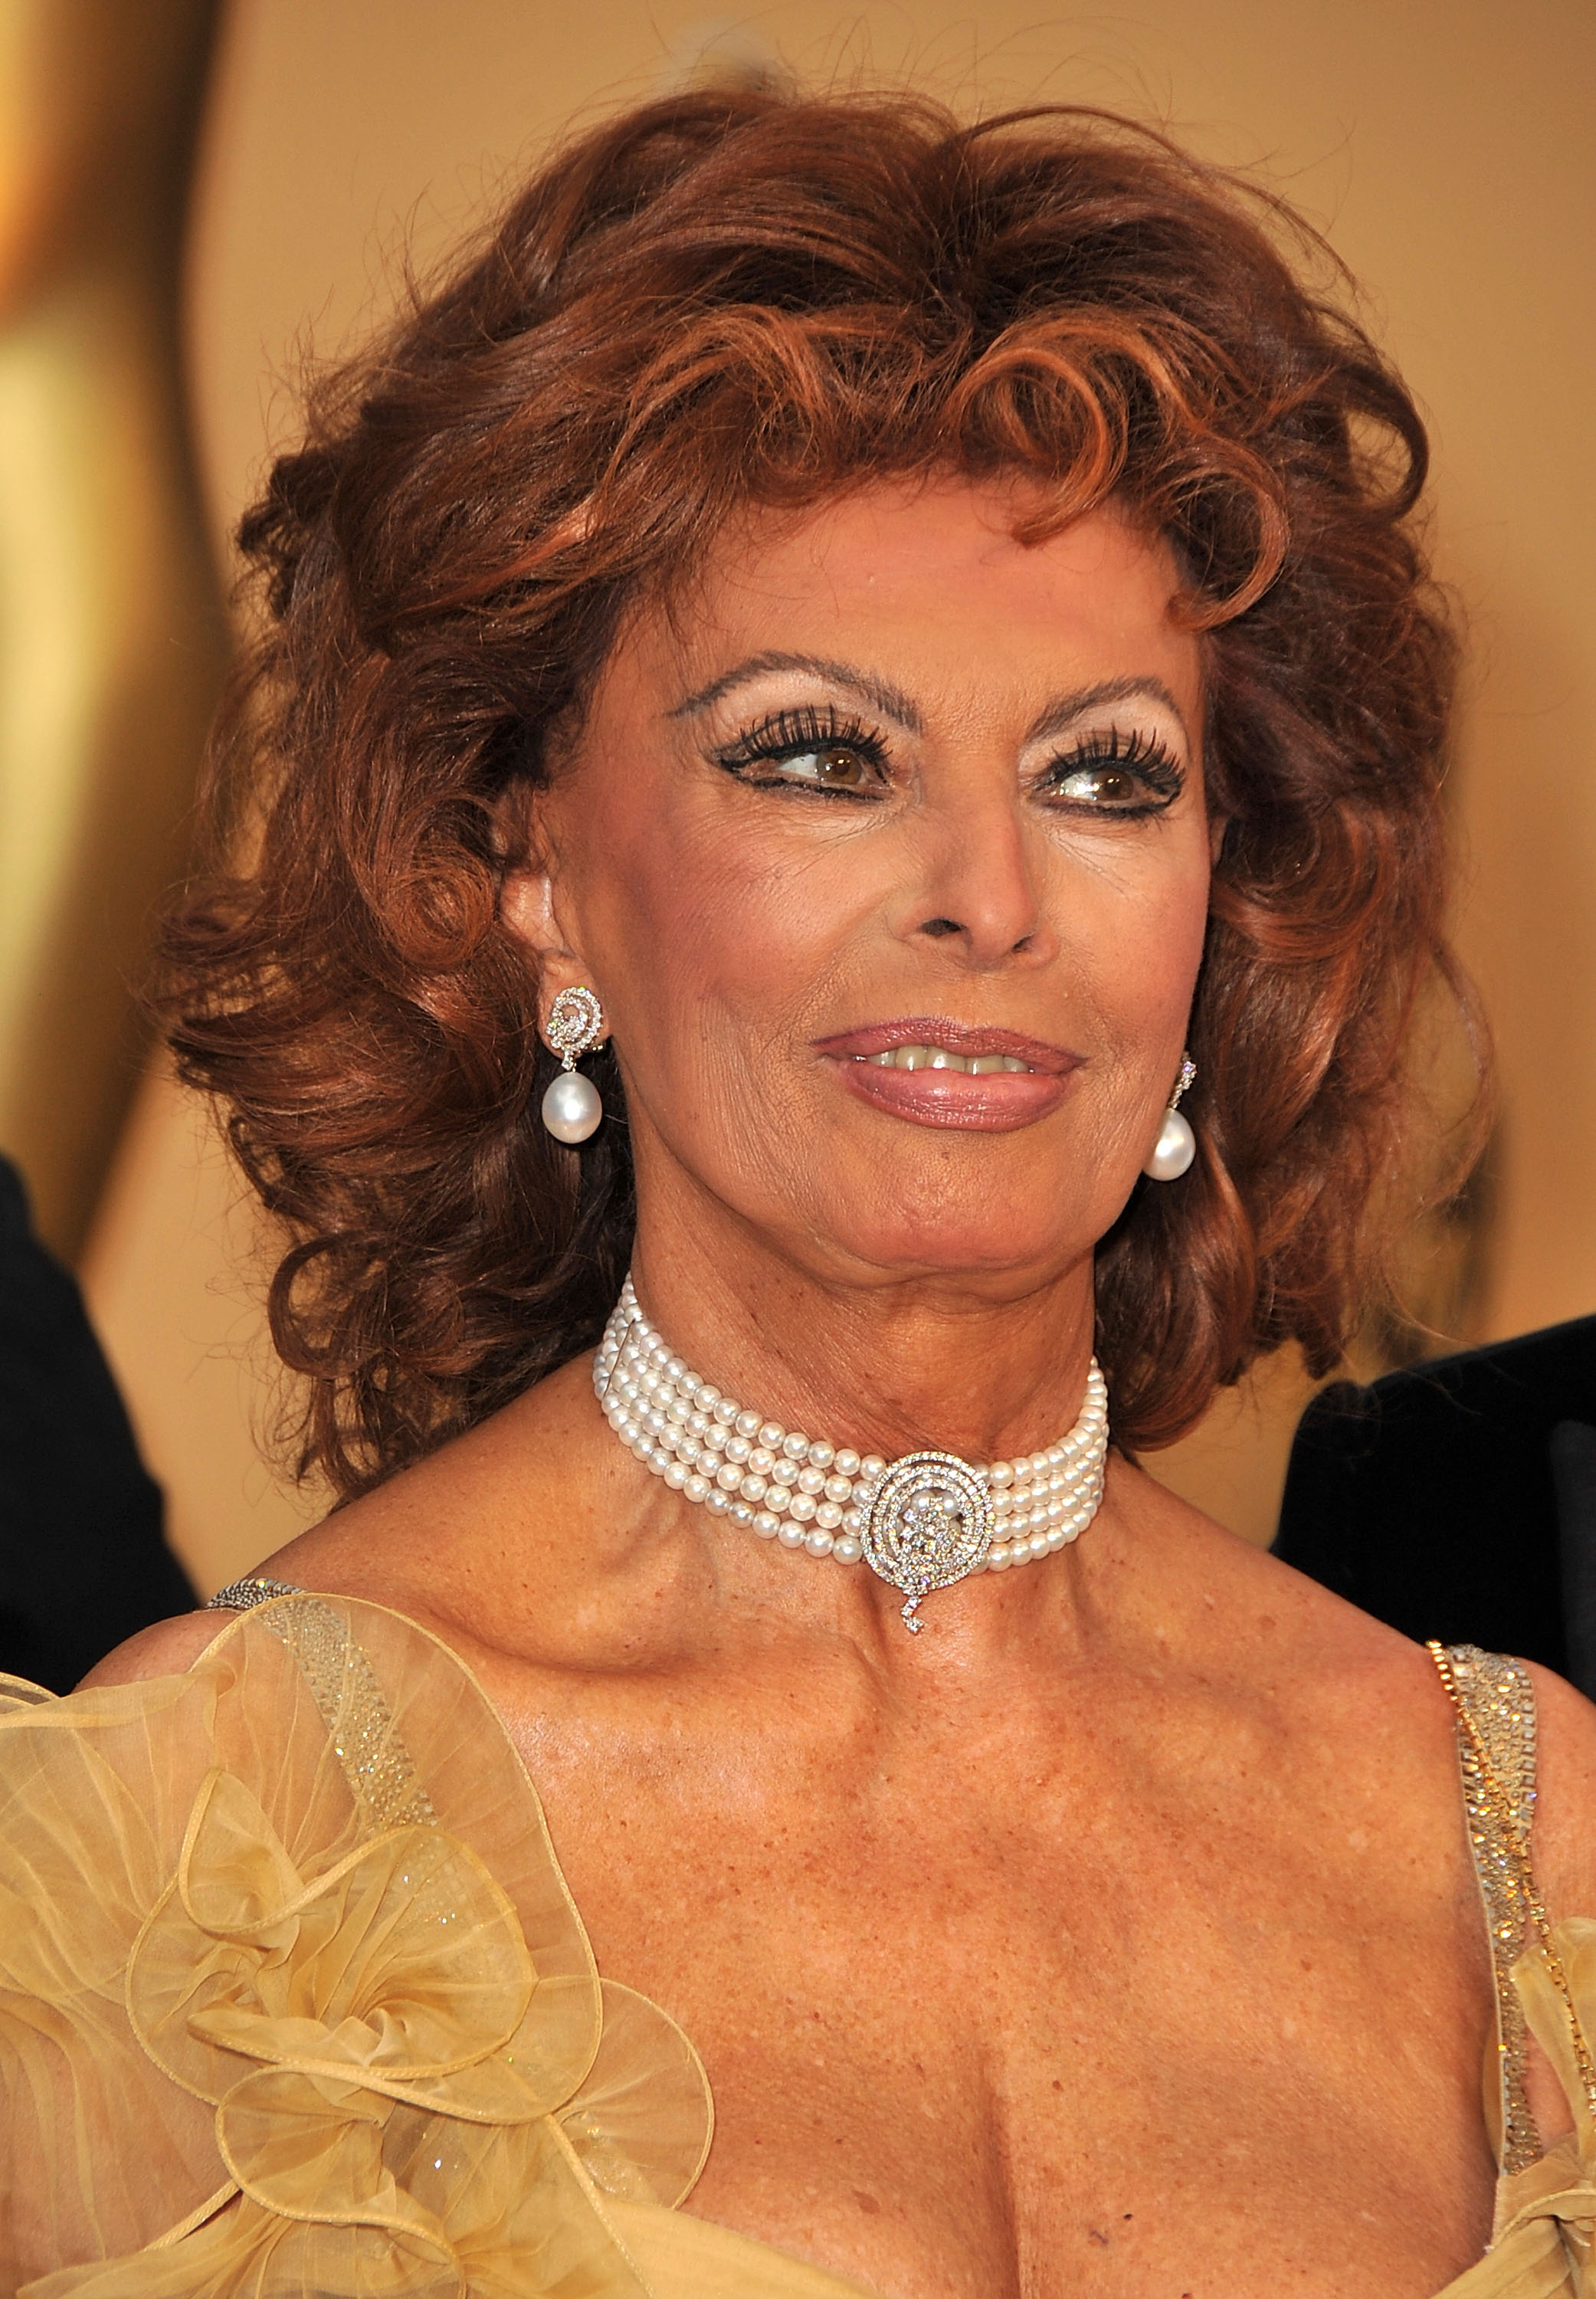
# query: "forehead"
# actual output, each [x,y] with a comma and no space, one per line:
[930,583]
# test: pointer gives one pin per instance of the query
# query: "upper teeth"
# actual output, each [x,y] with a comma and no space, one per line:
[938,1057]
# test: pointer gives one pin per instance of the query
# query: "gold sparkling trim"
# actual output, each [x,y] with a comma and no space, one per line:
[1494,1705]
[349,1701]
[359,1724]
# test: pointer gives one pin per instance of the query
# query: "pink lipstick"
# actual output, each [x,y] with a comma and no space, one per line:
[937,1072]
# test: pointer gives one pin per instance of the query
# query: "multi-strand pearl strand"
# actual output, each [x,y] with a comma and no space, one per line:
[816,1497]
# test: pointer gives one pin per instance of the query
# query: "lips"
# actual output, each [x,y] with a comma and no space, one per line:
[936,1072]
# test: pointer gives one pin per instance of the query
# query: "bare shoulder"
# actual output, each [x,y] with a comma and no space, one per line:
[1566,1804]
[167,1649]
[1328,1670]
[512,1504]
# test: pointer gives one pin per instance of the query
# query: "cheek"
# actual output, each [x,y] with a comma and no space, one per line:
[700,924]
[1134,944]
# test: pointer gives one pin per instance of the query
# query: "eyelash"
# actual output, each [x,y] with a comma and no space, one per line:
[787,734]
[1144,754]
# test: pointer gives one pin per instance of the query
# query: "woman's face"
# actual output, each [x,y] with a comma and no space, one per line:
[886,851]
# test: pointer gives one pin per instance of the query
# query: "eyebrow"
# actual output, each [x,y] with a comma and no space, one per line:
[1069,707]
[893,703]
[881,695]
[1109,690]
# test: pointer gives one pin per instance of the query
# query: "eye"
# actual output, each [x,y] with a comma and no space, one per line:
[837,765]
[1101,786]
[808,749]
[1115,773]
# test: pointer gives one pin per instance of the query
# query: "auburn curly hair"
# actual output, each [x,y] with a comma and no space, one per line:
[727,298]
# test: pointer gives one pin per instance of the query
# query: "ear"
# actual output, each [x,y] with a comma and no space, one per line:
[529,900]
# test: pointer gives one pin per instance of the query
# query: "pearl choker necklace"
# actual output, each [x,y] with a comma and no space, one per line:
[921,1522]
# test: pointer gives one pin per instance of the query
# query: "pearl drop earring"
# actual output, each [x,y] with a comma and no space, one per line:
[1176,1144]
[571,1106]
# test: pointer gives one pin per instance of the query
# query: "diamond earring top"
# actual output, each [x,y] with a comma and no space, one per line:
[576,1023]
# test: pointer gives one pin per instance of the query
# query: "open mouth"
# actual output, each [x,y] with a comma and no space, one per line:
[936,1072]
[942,1058]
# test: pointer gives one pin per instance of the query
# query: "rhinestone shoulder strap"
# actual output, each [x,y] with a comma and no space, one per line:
[349,1700]
[1493,1704]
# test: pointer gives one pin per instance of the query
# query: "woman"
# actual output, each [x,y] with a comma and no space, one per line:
[912,640]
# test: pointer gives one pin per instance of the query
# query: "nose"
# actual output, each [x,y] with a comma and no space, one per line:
[978,890]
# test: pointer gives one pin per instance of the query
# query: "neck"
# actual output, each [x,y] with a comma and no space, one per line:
[985,1365]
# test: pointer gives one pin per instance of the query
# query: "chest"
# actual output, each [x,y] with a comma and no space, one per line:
[1010,2026]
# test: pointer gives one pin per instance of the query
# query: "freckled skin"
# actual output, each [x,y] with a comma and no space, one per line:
[1116,1937]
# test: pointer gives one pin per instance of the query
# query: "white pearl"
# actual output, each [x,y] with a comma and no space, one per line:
[572,1109]
[714,1452]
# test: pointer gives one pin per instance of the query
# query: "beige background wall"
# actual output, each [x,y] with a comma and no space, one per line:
[1450,150]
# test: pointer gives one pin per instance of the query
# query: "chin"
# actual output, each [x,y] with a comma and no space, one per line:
[987,1242]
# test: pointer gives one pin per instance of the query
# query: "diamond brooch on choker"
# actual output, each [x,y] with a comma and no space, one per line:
[920,1523]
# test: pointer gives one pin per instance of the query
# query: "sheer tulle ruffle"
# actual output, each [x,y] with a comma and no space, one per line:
[293,1997]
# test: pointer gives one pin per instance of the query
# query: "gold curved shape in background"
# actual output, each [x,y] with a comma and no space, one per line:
[111,632]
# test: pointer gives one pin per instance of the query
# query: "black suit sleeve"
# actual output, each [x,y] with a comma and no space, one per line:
[83,1563]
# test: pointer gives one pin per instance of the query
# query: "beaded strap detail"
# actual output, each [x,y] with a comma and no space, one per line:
[349,1701]
[244,1596]
[1494,1704]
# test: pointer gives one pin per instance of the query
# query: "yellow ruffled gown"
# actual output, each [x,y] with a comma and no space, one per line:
[295,2002]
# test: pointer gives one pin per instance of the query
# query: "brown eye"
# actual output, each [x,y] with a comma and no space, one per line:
[833,765]
[836,763]
[1101,786]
